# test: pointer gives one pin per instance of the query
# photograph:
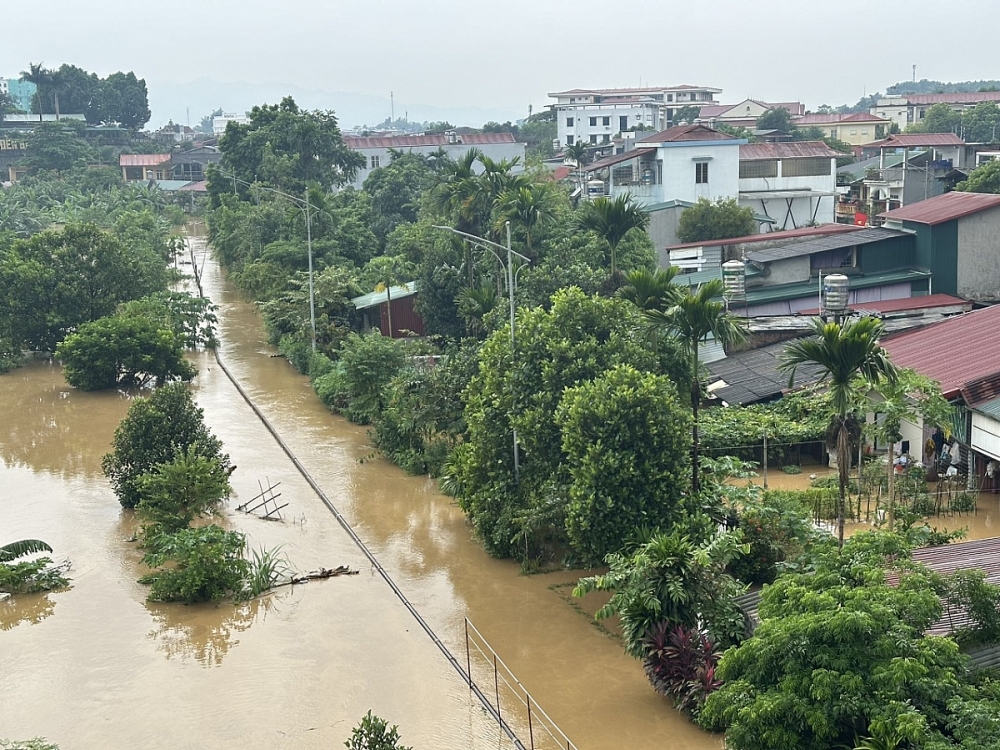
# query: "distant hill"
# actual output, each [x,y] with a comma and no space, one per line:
[188,102]
[920,87]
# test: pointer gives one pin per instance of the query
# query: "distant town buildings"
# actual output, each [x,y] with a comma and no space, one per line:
[21,92]
[220,122]
[597,115]
[910,109]
[377,150]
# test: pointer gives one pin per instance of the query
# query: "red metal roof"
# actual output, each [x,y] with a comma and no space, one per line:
[953,352]
[815,118]
[619,158]
[142,160]
[907,304]
[982,391]
[942,208]
[425,139]
[970,97]
[918,140]
[789,150]
[821,230]
[687,133]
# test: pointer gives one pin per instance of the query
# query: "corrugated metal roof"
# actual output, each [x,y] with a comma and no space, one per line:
[142,160]
[688,133]
[981,392]
[753,376]
[942,208]
[907,304]
[619,158]
[837,118]
[822,244]
[989,408]
[822,229]
[426,139]
[968,97]
[788,150]
[372,299]
[954,352]
[917,140]
[778,293]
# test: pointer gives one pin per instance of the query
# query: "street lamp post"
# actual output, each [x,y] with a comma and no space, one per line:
[509,270]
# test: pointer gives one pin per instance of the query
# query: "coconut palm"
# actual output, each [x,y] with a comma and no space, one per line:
[650,290]
[843,353]
[530,206]
[40,76]
[692,318]
[612,219]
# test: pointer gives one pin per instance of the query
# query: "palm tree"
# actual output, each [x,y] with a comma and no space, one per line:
[650,290]
[843,353]
[692,318]
[577,152]
[612,219]
[40,76]
[529,206]
[474,303]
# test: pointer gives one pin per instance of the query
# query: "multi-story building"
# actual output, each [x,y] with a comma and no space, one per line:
[219,123]
[596,116]
[793,184]
[855,129]
[377,150]
[21,92]
[909,109]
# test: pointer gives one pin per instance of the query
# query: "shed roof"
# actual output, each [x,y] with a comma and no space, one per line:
[954,352]
[956,97]
[373,299]
[787,150]
[142,160]
[822,229]
[619,158]
[822,244]
[917,140]
[753,375]
[815,118]
[942,208]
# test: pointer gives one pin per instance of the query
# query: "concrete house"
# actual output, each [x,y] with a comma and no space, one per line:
[855,129]
[745,114]
[955,237]
[908,109]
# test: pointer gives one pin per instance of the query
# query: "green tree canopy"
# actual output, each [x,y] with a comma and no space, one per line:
[939,118]
[984,179]
[57,147]
[153,432]
[721,220]
[778,118]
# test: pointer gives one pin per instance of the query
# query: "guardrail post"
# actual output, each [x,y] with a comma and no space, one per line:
[496,684]
[531,731]
[468,657]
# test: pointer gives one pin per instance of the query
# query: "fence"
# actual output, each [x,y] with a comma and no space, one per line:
[497,682]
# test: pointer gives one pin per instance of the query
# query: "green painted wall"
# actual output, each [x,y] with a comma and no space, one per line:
[888,255]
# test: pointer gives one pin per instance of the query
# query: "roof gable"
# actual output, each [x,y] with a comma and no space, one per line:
[787,150]
[942,208]
[696,132]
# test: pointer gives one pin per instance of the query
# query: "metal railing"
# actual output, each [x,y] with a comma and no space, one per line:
[543,732]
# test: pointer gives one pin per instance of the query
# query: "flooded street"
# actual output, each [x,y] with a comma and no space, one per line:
[97,666]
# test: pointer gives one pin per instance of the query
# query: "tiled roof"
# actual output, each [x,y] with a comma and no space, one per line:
[822,244]
[954,352]
[142,160]
[687,133]
[942,208]
[619,158]
[918,140]
[753,376]
[970,97]
[789,150]
[822,229]
[836,118]
[426,139]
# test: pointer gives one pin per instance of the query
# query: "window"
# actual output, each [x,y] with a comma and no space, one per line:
[622,175]
[593,122]
[854,132]
[811,167]
[623,122]
[864,132]
[606,138]
[758,168]
[375,162]
[593,138]
[649,118]
[833,132]
[670,97]
[569,122]
[701,173]
[569,140]
[605,121]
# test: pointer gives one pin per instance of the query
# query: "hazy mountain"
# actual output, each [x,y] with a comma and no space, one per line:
[188,102]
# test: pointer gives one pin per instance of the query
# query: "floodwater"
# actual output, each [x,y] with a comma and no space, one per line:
[98,666]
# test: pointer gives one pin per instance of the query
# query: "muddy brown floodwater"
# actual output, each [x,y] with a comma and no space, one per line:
[96,666]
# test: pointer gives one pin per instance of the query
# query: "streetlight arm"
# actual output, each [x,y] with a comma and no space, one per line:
[481,241]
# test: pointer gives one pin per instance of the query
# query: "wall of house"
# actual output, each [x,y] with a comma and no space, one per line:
[978,267]
[646,114]
[787,271]
[455,151]
[888,255]
[723,159]
[662,230]
[800,214]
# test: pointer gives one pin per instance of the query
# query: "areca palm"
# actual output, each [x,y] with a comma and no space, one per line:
[650,290]
[843,353]
[612,219]
[692,318]
[530,206]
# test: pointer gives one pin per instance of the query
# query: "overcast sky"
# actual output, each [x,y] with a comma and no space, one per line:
[502,55]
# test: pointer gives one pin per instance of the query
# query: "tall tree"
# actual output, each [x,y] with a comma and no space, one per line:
[692,318]
[612,219]
[721,220]
[125,100]
[843,353]
[41,77]
[529,207]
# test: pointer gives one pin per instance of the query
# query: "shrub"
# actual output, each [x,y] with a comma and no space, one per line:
[173,494]
[202,565]
[374,733]
[680,662]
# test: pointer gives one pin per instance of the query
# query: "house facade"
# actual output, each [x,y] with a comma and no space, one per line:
[854,129]
[377,150]
[596,116]
[745,113]
[794,184]
[910,109]
[145,167]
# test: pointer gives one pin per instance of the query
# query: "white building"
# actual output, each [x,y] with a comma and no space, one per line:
[376,149]
[596,116]
[910,109]
[793,184]
[219,123]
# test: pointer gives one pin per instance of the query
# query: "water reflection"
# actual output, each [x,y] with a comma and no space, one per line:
[53,427]
[197,632]
[29,608]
